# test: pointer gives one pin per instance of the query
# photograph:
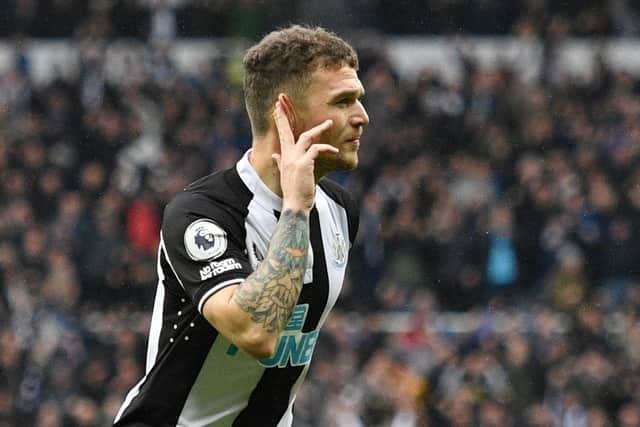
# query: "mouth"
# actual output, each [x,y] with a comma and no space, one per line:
[355,139]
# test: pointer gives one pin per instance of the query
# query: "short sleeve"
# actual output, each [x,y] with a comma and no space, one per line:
[204,246]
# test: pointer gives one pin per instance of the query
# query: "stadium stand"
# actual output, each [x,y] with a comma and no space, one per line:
[495,278]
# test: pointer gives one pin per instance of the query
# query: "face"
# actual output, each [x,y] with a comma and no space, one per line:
[334,93]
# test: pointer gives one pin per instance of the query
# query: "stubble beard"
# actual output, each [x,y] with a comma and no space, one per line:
[340,162]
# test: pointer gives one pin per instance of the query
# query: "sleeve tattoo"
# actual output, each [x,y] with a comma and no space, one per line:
[270,293]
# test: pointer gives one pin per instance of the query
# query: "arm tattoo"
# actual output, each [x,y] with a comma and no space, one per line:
[270,293]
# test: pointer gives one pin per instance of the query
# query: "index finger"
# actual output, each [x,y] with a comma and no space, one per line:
[283,126]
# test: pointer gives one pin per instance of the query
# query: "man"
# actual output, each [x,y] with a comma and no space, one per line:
[252,259]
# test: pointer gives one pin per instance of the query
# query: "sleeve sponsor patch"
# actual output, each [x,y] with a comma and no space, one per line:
[204,240]
[215,268]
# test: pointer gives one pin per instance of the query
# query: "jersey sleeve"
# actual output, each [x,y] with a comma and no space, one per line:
[204,245]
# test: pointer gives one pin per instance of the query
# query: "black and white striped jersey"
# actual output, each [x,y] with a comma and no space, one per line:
[214,234]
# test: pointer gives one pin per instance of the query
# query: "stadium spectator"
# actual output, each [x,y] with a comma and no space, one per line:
[467,189]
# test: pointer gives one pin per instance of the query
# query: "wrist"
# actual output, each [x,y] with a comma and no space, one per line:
[296,207]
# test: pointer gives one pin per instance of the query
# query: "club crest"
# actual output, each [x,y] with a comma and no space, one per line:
[204,240]
[339,250]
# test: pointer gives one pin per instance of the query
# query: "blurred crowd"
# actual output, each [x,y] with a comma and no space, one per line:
[493,282]
[249,18]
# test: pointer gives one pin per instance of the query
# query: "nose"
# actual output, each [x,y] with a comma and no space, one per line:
[360,117]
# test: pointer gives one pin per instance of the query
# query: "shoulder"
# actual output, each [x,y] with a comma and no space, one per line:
[338,194]
[220,197]
[342,197]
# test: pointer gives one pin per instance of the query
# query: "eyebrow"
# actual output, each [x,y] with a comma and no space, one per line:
[348,93]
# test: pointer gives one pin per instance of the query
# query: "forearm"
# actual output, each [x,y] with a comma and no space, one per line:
[270,293]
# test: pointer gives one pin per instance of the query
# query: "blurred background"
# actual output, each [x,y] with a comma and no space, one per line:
[494,281]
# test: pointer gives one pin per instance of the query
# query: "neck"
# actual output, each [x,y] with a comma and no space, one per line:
[265,166]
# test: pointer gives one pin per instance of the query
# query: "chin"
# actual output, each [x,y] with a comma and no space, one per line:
[351,164]
[347,163]
[340,163]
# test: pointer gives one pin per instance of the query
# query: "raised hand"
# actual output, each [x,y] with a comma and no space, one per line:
[296,160]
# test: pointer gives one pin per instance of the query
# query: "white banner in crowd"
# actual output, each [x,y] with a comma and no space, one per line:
[411,55]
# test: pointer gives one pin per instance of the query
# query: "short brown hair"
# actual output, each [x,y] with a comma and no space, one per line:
[286,58]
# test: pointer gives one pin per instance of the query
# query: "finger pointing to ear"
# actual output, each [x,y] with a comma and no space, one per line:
[282,125]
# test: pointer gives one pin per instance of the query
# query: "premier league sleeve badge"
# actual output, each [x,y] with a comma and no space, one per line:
[205,240]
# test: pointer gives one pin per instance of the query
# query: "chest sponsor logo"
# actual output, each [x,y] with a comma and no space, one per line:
[216,268]
[204,240]
[295,348]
